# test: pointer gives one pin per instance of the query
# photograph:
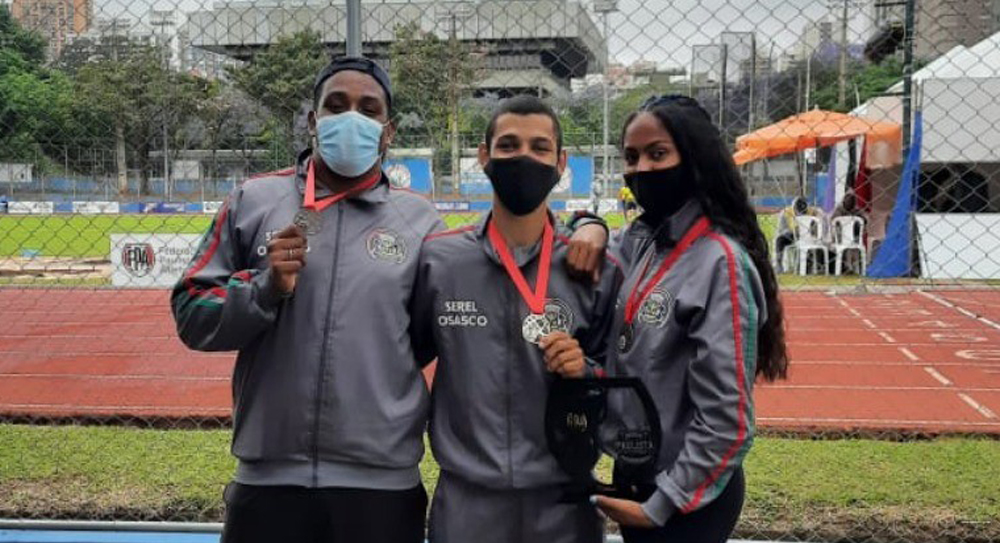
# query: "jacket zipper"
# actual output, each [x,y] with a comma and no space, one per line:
[322,357]
[511,323]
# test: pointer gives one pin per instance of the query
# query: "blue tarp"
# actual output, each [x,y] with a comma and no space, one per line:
[894,257]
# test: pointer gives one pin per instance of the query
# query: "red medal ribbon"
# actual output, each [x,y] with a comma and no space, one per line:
[536,299]
[637,296]
[309,201]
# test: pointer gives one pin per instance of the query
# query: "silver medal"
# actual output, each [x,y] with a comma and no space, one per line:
[535,327]
[310,221]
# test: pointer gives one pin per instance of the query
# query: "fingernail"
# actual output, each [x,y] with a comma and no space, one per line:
[593,500]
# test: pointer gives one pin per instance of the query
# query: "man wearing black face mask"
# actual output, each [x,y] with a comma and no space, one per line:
[495,304]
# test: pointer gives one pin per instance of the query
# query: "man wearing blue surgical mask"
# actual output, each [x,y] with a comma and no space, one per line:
[308,273]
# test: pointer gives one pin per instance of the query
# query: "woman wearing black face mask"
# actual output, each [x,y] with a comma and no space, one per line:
[698,321]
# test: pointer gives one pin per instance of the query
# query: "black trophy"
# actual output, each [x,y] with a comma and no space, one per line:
[585,418]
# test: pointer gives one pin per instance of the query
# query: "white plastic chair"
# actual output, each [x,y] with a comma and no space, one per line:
[809,239]
[848,235]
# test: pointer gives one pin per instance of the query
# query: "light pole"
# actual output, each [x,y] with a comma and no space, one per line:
[767,84]
[161,21]
[722,91]
[353,45]
[844,5]
[842,80]
[605,7]
[753,80]
[909,22]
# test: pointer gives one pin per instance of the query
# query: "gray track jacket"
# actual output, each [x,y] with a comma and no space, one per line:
[694,346]
[487,422]
[326,391]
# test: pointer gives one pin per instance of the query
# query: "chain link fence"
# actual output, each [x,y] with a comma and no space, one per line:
[124,125]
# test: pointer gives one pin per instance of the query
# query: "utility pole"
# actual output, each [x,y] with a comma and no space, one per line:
[809,57]
[722,92]
[691,74]
[605,8]
[909,31]
[121,164]
[353,28]
[453,99]
[753,80]
[842,79]
[767,85]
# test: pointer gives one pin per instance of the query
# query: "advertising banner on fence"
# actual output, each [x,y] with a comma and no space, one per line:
[31,208]
[163,207]
[452,206]
[606,205]
[211,207]
[150,260]
[96,208]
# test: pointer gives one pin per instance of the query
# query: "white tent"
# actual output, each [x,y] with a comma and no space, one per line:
[959,93]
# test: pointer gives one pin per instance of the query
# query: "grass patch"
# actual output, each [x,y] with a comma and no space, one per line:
[81,236]
[940,490]
[55,282]
[88,236]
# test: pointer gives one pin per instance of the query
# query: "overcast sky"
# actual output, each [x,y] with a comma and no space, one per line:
[658,30]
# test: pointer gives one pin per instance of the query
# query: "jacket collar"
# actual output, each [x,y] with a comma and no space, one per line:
[522,255]
[375,195]
[673,228]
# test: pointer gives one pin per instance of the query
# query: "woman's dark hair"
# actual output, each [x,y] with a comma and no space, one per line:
[723,197]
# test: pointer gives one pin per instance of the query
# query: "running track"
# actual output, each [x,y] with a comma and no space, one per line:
[926,361]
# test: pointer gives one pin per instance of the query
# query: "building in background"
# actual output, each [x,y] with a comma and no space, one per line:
[941,24]
[107,39]
[165,28]
[531,46]
[641,73]
[814,35]
[56,20]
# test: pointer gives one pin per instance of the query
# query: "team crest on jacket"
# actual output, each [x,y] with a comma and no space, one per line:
[387,245]
[656,308]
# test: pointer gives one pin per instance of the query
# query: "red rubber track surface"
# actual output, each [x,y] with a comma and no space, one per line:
[917,361]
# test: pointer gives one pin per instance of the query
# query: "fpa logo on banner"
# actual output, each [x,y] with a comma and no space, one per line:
[151,260]
[138,259]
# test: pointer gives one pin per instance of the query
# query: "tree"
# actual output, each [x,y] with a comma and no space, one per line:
[227,119]
[869,80]
[432,77]
[34,101]
[281,78]
[29,45]
[140,104]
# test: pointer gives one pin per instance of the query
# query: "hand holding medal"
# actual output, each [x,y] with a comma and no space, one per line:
[287,250]
[286,253]
[563,355]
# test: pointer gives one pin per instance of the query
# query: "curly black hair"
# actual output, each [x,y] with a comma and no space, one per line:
[724,198]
